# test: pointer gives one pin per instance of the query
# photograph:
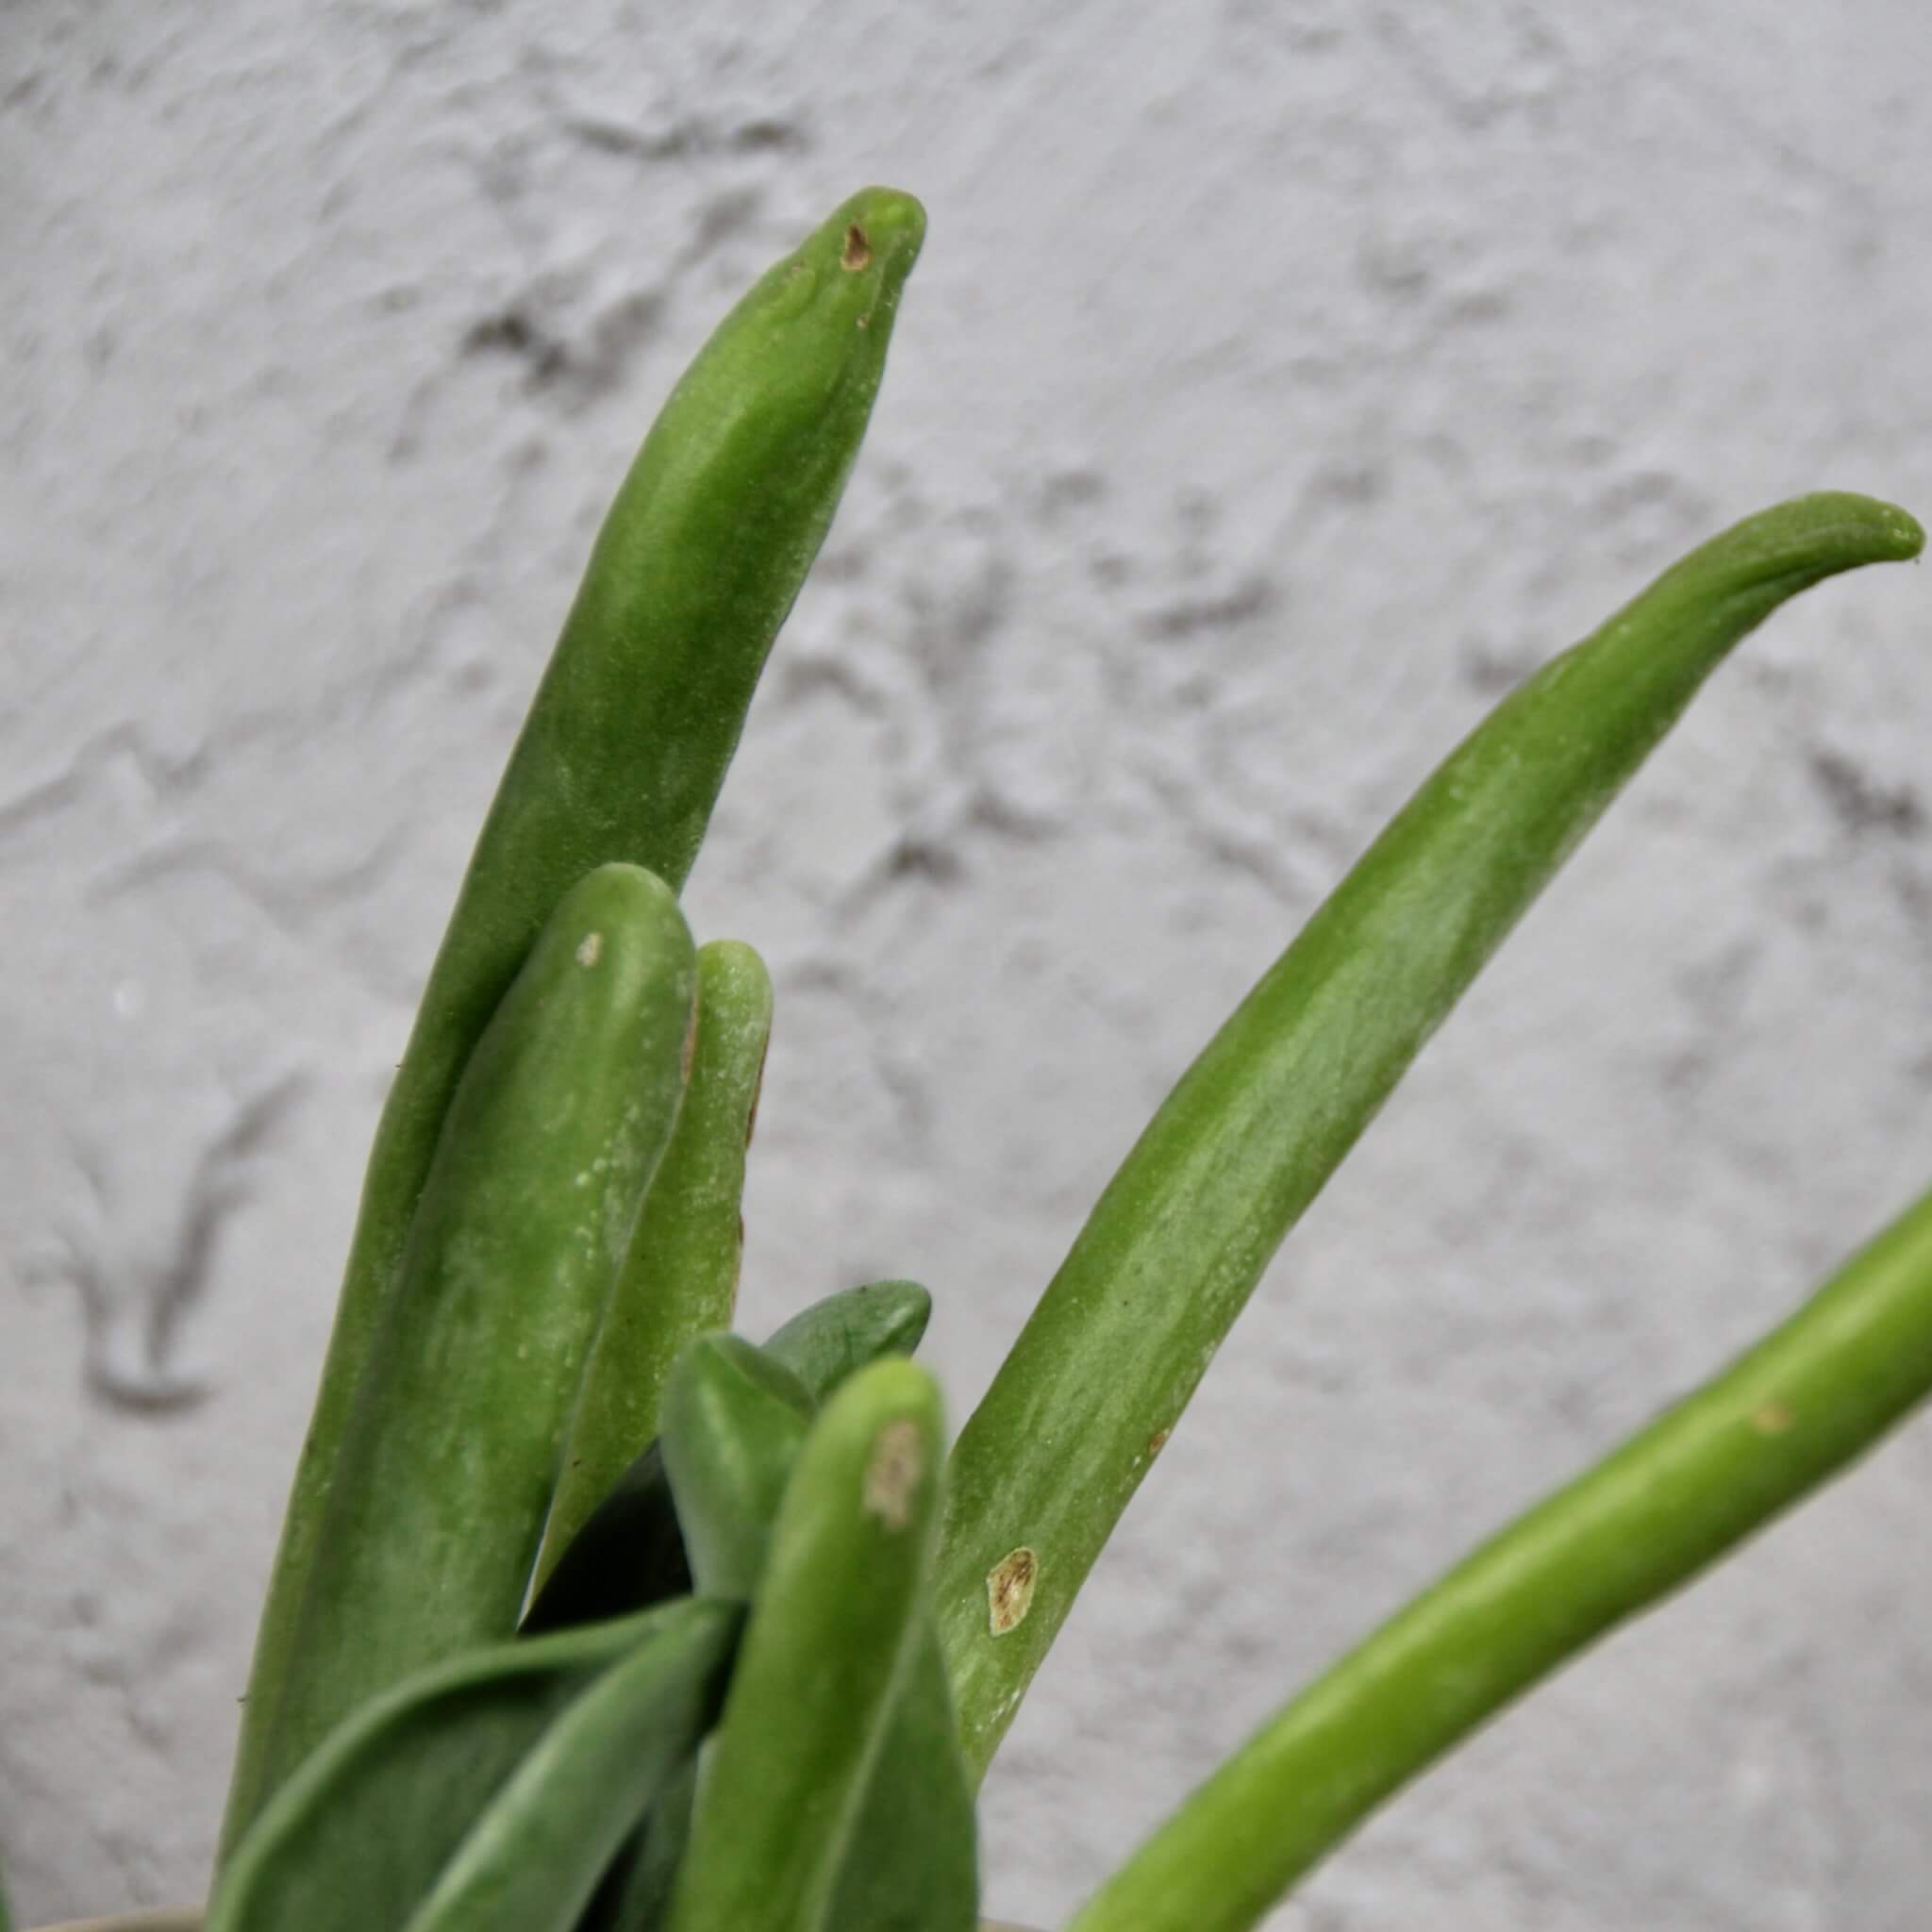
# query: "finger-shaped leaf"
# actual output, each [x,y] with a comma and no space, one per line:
[626,746]
[1813,1395]
[733,1421]
[914,1861]
[735,1443]
[438,1505]
[679,1279]
[843,1334]
[840,1601]
[358,1836]
[533,1859]
[1181,1235]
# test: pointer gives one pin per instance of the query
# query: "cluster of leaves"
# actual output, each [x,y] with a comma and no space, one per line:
[592,1616]
[761,1572]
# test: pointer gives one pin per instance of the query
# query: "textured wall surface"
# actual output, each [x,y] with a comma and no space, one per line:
[1278,384]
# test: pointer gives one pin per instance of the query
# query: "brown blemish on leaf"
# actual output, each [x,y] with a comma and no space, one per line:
[857,249]
[1772,1418]
[589,948]
[687,1059]
[892,1474]
[1009,1591]
[757,1091]
[1156,1442]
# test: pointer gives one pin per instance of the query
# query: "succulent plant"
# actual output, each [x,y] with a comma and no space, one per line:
[591,1614]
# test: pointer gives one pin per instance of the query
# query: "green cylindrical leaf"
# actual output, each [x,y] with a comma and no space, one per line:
[626,743]
[840,1596]
[448,1469]
[629,1554]
[913,1862]
[843,1333]
[680,1277]
[1174,1246]
[733,1423]
[1817,1393]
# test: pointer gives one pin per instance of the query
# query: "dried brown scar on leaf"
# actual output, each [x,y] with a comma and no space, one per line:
[758,1093]
[893,1475]
[589,948]
[857,249]
[1009,1591]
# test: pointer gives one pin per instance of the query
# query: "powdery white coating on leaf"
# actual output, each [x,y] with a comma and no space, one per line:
[589,948]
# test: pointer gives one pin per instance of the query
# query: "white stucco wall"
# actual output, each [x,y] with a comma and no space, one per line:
[1277,383]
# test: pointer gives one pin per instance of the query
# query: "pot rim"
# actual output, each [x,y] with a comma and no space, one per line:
[163,1918]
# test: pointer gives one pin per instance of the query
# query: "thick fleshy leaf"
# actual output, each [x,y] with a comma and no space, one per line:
[441,1491]
[839,1336]
[1714,1469]
[1179,1239]
[622,755]
[733,1419]
[836,1611]
[913,1864]
[679,1279]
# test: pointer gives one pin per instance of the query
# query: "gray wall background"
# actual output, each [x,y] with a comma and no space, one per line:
[1280,381]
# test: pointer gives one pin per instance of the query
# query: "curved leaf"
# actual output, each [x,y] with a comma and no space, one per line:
[733,1419]
[534,1858]
[1817,1393]
[845,1332]
[1177,1241]
[913,1864]
[434,1516]
[625,749]
[679,1278]
[841,1597]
